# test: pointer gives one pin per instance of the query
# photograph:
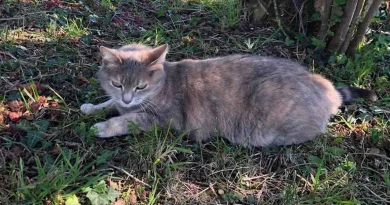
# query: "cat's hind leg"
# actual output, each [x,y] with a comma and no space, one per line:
[91,108]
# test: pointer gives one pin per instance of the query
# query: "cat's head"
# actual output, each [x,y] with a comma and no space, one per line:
[132,74]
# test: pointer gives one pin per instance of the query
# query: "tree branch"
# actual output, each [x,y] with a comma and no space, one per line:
[343,26]
[363,27]
[278,19]
[348,37]
[324,9]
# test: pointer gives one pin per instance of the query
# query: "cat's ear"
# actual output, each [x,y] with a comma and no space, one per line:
[157,56]
[109,56]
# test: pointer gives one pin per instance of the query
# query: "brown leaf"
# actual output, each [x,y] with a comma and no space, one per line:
[112,184]
[28,116]
[83,79]
[39,86]
[120,202]
[144,195]
[132,197]
[41,99]
[14,116]
[35,106]
[14,106]
[53,104]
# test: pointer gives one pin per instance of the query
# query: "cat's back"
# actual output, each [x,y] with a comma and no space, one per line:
[242,64]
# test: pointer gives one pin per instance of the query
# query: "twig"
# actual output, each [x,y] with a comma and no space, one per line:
[307,182]
[128,174]
[374,154]
[278,19]
[24,16]
[379,197]
[10,55]
[12,18]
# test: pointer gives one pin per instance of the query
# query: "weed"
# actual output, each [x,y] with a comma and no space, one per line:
[74,28]
[100,194]
[66,176]
[228,12]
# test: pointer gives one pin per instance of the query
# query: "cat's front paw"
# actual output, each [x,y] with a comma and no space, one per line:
[103,130]
[87,108]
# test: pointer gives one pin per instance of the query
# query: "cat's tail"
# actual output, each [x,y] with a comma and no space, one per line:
[349,94]
[341,95]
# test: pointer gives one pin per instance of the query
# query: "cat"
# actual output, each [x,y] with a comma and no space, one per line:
[250,100]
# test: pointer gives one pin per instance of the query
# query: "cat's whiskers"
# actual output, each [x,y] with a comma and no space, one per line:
[142,107]
[153,105]
[154,111]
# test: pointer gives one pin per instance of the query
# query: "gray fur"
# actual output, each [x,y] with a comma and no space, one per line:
[250,100]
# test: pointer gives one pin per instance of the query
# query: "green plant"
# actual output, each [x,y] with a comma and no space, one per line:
[99,194]
[74,28]
[67,175]
[228,12]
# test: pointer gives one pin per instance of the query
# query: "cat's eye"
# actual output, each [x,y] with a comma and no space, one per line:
[141,87]
[115,84]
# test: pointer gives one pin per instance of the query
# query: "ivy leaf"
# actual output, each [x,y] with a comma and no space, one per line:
[42,125]
[100,187]
[32,138]
[72,200]
[318,43]
[112,194]
[97,199]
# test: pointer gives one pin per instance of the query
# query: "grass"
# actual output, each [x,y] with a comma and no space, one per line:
[48,154]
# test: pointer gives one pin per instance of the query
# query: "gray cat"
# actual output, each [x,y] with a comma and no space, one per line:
[249,100]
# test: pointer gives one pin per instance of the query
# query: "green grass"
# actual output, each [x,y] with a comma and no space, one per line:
[228,12]
[48,62]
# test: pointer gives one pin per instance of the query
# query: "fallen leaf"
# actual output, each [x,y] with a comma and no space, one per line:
[41,99]
[35,106]
[133,197]
[112,184]
[28,117]
[53,104]
[120,202]
[144,195]
[14,106]
[83,79]
[14,116]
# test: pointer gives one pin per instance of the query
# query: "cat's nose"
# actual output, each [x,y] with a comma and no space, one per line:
[127,98]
